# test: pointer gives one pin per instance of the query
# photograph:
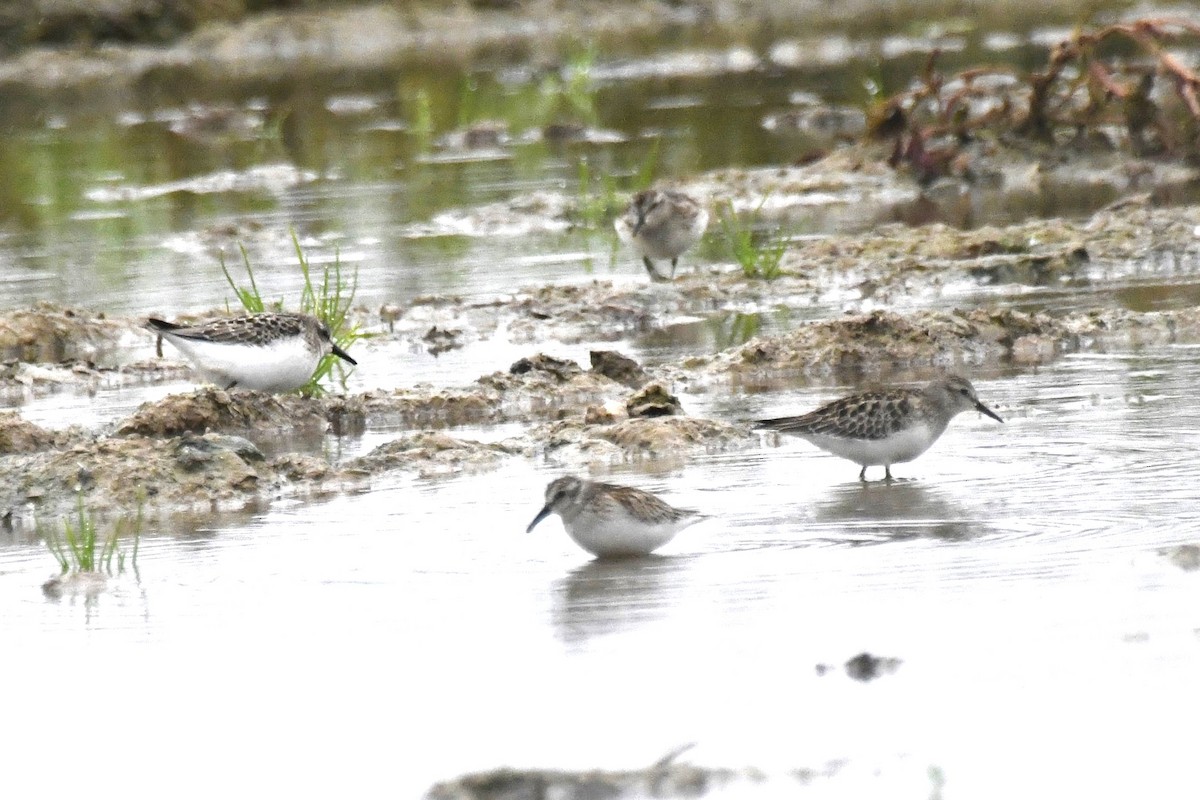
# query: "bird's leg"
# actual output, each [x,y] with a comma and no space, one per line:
[654,276]
[862,475]
[674,261]
[887,472]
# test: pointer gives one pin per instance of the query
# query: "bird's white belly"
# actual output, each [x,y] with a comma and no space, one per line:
[278,367]
[620,534]
[895,449]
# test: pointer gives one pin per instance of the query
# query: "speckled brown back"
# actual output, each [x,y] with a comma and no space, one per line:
[640,505]
[255,329]
[868,415]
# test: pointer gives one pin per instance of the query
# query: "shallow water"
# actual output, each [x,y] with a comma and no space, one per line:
[406,634]
[415,631]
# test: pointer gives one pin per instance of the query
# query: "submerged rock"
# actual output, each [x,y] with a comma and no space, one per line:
[866,667]
[1184,556]
[70,584]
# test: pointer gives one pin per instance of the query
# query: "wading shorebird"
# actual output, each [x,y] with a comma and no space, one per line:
[884,427]
[662,224]
[270,352]
[611,521]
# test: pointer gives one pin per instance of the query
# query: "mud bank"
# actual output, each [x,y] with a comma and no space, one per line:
[198,450]
[871,344]
[224,39]
[205,449]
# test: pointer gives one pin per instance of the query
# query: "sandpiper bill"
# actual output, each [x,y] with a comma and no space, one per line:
[270,352]
[662,224]
[612,521]
[884,427]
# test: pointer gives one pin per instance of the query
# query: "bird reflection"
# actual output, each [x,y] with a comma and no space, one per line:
[906,509]
[602,597]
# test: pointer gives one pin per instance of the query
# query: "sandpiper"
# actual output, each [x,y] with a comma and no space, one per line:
[884,427]
[266,352]
[611,521]
[662,223]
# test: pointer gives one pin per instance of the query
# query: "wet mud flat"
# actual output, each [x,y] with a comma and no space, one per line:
[210,448]
[902,303]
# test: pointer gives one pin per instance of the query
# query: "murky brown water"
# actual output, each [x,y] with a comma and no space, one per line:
[413,632]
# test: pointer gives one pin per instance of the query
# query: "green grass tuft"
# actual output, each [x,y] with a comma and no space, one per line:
[759,255]
[600,197]
[328,298]
[80,549]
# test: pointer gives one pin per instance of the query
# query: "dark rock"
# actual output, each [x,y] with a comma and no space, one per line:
[562,368]
[865,667]
[653,400]
[620,368]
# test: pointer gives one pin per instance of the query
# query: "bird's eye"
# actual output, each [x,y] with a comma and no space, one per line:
[965,392]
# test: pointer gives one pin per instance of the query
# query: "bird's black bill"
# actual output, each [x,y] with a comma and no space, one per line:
[982,409]
[342,354]
[545,512]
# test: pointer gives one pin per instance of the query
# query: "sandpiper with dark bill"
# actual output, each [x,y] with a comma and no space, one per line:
[611,521]
[884,427]
[269,352]
[662,224]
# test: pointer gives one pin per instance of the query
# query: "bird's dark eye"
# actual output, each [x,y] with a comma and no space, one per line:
[965,392]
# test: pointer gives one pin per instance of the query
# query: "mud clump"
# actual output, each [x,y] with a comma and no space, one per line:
[51,334]
[212,409]
[653,400]
[431,454]
[547,387]
[871,343]
[575,441]
[618,367]
[665,780]
[21,436]
[860,343]
[561,368]
[670,435]
[120,474]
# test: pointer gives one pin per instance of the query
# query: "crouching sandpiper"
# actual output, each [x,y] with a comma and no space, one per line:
[269,352]
[612,521]
[884,427]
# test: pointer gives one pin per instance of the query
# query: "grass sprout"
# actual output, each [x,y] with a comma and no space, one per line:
[600,197]
[328,296]
[759,254]
[80,548]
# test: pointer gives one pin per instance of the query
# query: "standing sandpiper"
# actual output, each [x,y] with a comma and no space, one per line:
[265,352]
[612,521]
[885,427]
[662,223]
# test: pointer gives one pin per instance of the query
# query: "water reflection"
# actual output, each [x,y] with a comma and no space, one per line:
[605,597]
[875,512]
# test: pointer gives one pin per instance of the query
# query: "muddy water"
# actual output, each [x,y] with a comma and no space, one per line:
[409,633]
